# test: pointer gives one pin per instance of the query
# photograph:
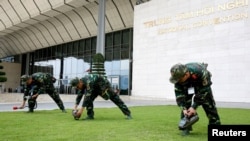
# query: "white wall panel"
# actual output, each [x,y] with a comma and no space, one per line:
[173,31]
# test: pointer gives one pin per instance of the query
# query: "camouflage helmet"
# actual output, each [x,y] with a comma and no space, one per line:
[177,72]
[24,78]
[74,82]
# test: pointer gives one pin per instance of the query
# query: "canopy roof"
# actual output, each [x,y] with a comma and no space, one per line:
[28,25]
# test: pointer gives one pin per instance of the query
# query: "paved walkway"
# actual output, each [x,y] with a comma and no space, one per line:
[8,100]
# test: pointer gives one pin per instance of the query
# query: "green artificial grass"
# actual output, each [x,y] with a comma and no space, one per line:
[149,123]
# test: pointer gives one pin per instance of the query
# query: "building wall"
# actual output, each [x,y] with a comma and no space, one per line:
[167,32]
[13,73]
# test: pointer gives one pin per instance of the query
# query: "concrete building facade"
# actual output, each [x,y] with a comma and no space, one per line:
[167,32]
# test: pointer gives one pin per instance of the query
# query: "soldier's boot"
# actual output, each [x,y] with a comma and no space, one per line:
[31,110]
[186,131]
[128,117]
[90,113]
[89,118]
[31,104]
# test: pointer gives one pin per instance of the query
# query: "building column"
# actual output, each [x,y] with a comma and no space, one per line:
[100,46]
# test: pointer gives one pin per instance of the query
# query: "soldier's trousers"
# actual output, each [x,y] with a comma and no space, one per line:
[118,102]
[32,104]
[211,111]
[114,98]
[55,96]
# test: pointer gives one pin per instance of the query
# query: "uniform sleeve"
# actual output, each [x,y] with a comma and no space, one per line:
[79,97]
[180,96]
[87,98]
[25,92]
[38,84]
[40,90]
[203,89]
[36,89]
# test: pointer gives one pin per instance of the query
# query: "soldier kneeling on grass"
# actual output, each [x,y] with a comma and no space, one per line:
[36,84]
[190,79]
[92,85]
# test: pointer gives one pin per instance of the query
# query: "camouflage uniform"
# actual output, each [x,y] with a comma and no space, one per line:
[98,85]
[200,80]
[28,92]
[42,83]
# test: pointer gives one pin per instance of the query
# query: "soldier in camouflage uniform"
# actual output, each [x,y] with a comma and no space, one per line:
[95,84]
[91,86]
[37,84]
[190,79]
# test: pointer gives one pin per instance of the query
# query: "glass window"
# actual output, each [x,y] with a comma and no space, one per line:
[40,53]
[67,65]
[81,67]
[55,66]
[75,47]
[124,84]
[53,51]
[87,50]
[81,48]
[108,67]
[44,54]
[43,66]
[116,66]
[64,49]
[49,55]
[87,45]
[125,36]
[125,51]
[69,49]
[59,51]
[117,38]
[124,67]
[36,55]
[109,39]
[117,52]
[87,58]
[93,46]
[108,54]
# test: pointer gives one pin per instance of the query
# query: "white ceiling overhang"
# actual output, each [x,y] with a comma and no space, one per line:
[28,25]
